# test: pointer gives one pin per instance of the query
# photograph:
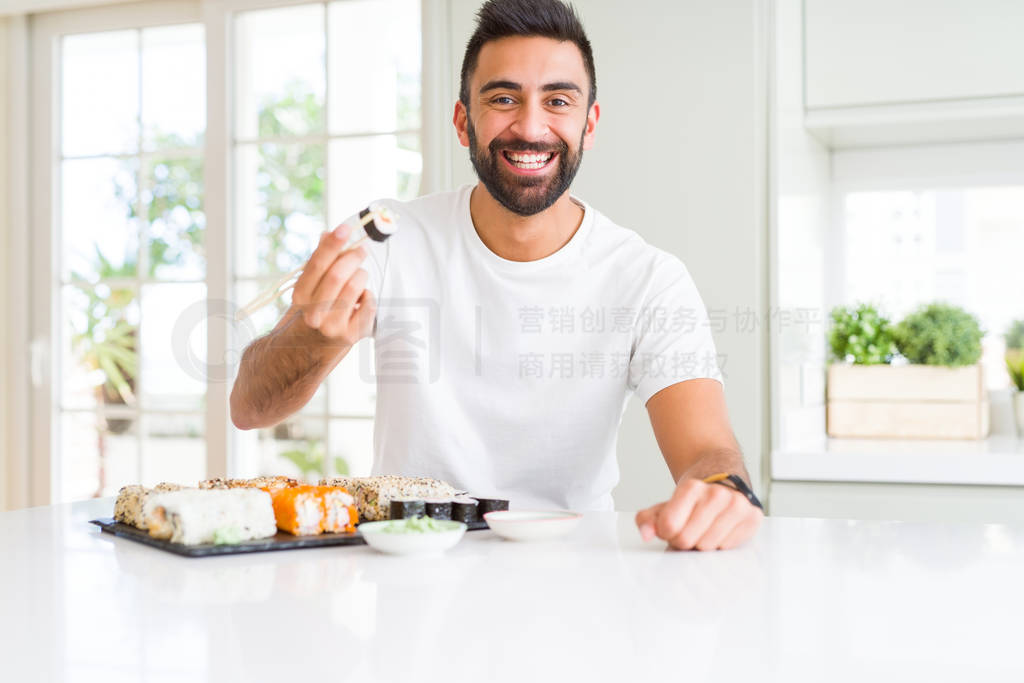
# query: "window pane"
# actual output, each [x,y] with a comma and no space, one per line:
[280,195]
[352,442]
[261,321]
[98,233]
[173,86]
[173,203]
[294,448]
[279,72]
[174,346]
[351,390]
[173,449]
[100,327]
[100,93]
[374,66]
[958,245]
[98,456]
[364,169]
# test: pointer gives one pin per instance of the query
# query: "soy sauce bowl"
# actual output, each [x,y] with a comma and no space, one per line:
[532,525]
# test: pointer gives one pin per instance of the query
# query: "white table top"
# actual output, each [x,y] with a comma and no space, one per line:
[808,599]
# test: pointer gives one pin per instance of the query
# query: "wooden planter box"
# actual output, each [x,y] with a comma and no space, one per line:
[907,401]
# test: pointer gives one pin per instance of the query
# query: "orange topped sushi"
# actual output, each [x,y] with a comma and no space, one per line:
[310,510]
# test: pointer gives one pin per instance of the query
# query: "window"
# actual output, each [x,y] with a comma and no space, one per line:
[959,244]
[320,130]
[326,104]
[944,222]
[130,226]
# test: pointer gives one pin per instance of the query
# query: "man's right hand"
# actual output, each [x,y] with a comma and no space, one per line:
[331,293]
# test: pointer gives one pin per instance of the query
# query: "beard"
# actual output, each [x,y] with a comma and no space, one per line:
[523,195]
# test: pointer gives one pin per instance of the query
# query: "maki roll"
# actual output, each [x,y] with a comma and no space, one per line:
[464,509]
[299,510]
[340,515]
[378,222]
[131,502]
[403,508]
[490,505]
[374,494]
[438,509]
[193,516]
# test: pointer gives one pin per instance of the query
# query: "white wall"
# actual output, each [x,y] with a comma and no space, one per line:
[5,253]
[801,214]
[681,134]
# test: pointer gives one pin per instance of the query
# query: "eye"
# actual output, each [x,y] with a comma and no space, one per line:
[558,102]
[502,99]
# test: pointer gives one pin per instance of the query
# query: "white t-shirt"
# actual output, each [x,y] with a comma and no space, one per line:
[510,378]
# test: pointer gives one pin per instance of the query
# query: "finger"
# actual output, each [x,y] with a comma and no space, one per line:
[743,532]
[645,521]
[328,290]
[677,510]
[362,317]
[735,513]
[330,246]
[713,501]
[336,318]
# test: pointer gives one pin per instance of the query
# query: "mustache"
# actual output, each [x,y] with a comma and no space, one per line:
[523,146]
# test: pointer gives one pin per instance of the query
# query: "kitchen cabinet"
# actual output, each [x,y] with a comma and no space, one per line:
[878,52]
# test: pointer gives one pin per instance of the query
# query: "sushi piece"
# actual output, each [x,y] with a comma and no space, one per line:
[374,494]
[193,516]
[379,223]
[490,505]
[269,484]
[438,509]
[464,509]
[299,510]
[403,508]
[131,501]
[340,514]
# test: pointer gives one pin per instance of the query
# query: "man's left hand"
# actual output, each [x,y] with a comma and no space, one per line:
[701,516]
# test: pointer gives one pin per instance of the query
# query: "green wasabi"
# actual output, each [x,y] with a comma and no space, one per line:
[227,536]
[411,525]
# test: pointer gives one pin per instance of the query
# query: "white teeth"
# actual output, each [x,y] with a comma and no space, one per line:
[528,161]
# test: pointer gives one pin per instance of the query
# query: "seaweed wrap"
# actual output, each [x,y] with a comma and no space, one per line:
[490,505]
[438,509]
[464,509]
[403,508]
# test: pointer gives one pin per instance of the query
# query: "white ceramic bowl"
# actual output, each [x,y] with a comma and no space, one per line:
[412,543]
[532,525]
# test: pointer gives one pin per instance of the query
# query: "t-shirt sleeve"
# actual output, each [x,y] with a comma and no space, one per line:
[672,337]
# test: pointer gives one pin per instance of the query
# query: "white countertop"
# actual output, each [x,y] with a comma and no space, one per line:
[807,600]
[997,461]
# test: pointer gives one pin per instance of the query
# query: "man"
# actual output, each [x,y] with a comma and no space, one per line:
[514,319]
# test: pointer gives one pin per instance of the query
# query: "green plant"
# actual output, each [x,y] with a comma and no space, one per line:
[1015,335]
[860,335]
[312,459]
[1015,366]
[939,334]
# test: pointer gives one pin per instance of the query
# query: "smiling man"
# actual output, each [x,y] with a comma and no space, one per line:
[512,320]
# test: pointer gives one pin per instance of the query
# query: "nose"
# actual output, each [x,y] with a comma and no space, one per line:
[531,123]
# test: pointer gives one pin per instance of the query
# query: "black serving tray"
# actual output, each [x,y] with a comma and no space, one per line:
[280,541]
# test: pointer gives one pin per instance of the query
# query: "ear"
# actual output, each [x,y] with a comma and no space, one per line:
[459,120]
[592,116]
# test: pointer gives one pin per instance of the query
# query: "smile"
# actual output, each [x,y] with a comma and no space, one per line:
[528,161]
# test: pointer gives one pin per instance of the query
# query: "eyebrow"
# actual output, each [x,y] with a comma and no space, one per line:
[547,87]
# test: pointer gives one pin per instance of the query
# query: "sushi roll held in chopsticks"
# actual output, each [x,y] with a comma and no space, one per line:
[378,223]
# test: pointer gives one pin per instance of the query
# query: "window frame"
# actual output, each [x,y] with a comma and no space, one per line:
[34,467]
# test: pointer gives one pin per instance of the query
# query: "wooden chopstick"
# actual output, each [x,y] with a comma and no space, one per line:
[272,293]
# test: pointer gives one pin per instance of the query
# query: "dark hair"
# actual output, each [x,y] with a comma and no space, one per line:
[498,19]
